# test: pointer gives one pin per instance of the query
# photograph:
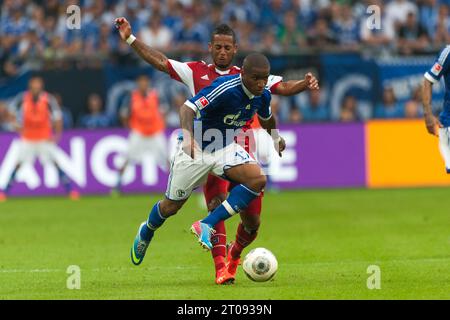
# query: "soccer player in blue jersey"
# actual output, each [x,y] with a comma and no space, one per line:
[210,121]
[439,127]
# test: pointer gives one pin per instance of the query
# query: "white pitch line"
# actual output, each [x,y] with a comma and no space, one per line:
[325,263]
[96,269]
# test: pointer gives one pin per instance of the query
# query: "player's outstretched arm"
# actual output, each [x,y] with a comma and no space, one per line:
[431,122]
[271,126]
[154,57]
[293,87]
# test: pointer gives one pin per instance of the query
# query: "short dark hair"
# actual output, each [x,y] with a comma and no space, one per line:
[255,59]
[223,29]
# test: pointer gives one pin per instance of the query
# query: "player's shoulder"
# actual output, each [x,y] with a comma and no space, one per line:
[235,70]
[226,80]
[199,65]
[443,55]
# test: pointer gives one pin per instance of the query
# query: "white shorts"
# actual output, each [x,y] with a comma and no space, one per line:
[444,146]
[155,145]
[187,174]
[30,150]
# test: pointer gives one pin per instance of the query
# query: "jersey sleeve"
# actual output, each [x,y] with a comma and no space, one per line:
[183,72]
[265,112]
[209,98]
[440,66]
[273,82]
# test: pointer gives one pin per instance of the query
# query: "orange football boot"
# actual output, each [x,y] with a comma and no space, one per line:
[224,277]
[232,264]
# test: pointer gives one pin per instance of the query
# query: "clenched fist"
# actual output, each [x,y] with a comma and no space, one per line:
[124,27]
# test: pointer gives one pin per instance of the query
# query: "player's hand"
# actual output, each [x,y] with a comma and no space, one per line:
[280,146]
[311,81]
[432,124]
[124,27]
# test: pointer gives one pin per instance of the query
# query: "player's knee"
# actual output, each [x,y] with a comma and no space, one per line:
[215,202]
[169,207]
[251,223]
[258,183]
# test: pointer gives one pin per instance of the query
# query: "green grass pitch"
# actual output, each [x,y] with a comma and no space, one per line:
[324,242]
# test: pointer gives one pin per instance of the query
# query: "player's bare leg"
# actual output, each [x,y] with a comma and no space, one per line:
[160,212]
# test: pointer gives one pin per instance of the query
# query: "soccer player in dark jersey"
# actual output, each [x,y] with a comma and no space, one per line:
[439,127]
[197,75]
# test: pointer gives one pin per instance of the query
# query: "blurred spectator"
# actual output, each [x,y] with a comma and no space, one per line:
[66,113]
[315,109]
[242,10]
[291,34]
[389,107]
[349,109]
[320,35]
[397,12]
[345,28]
[372,36]
[413,38]
[269,44]
[441,30]
[188,37]
[96,118]
[156,35]
[272,13]
[428,15]
[30,46]
[247,37]
[413,107]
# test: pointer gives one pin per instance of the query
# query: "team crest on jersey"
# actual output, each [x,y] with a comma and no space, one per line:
[201,102]
[436,69]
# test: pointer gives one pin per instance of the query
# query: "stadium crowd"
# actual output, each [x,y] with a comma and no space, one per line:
[34,34]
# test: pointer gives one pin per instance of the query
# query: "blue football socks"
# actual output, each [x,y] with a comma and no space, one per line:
[239,199]
[154,221]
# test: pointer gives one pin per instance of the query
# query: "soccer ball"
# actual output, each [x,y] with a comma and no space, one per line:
[260,265]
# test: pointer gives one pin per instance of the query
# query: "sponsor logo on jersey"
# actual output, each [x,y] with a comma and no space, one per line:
[201,102]
[205,77]
[436,69]
[233,120]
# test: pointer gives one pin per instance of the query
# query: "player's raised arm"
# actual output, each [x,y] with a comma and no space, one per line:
[293,87]
[154,57]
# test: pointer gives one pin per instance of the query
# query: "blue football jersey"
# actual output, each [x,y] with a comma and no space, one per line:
[441,68]
[225,107]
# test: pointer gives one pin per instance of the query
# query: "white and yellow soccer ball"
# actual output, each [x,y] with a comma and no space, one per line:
[260,265]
